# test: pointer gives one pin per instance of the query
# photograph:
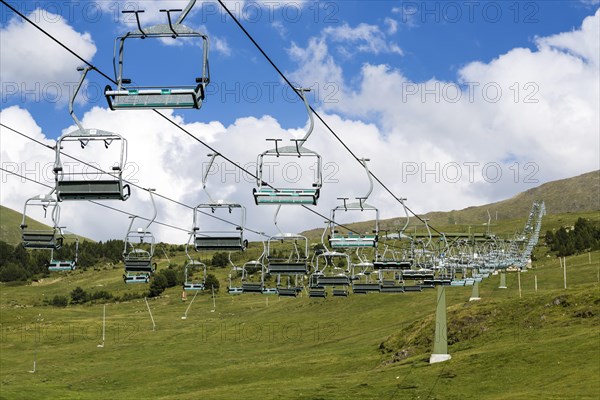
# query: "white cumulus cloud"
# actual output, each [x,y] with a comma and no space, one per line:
[528,115]
[439,143]
[30,62]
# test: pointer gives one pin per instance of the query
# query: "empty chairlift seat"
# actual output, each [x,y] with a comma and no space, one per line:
[265,195]
[136,278]
[60,266]
[317,293]
[352,241]
[230,237]
[252,287]
[76,185]
[189,283]
[193,286]
[92,190]
[333,280]
[139,249]
[147,97]
[392,265]
[305,193]
[224,243]
[46,238]
[428,284]
[436,282]
[287,292]
[41,239]
[287,268]
[365,287]
[139,261]
[127,96]
[138,267]
[294,264]
[392,287]
[338,240]
[419,274]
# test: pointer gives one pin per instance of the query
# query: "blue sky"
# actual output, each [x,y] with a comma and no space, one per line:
[436,39]
[456,103]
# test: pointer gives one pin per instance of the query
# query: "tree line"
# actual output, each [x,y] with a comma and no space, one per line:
[585,236]
[166,278]
[20,264]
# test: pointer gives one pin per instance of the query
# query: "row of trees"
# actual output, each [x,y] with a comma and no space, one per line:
[585,236]
[171,277]
[19,264]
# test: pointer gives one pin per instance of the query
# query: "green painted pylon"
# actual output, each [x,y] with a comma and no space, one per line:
[440,344]
[502,280]
[475,293]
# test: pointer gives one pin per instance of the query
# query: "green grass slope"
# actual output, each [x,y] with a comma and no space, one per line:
[577,194]
[580,194]
[10,222]
[10,226]
[542,345]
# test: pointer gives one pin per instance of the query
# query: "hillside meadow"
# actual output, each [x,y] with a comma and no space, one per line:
[542,345]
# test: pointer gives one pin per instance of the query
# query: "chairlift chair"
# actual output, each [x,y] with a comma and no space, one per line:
[64,265]
[297,262]
[249,286]
[332,268]
[364,267]
[316,292]
[252,267]
[418,274]
[224,240]
[139,266]
[130,97]
[231,288]
[384,262]
[74,185]
[389,270]
[220,240]
[191,284]
[338,240]
[291,287]
[45,238]
[364,288]
[265,194]
[61,265]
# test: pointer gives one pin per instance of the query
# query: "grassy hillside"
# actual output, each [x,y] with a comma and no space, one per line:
[265,347]
[504,228]
[580,194]
[10,222]
[541,345]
